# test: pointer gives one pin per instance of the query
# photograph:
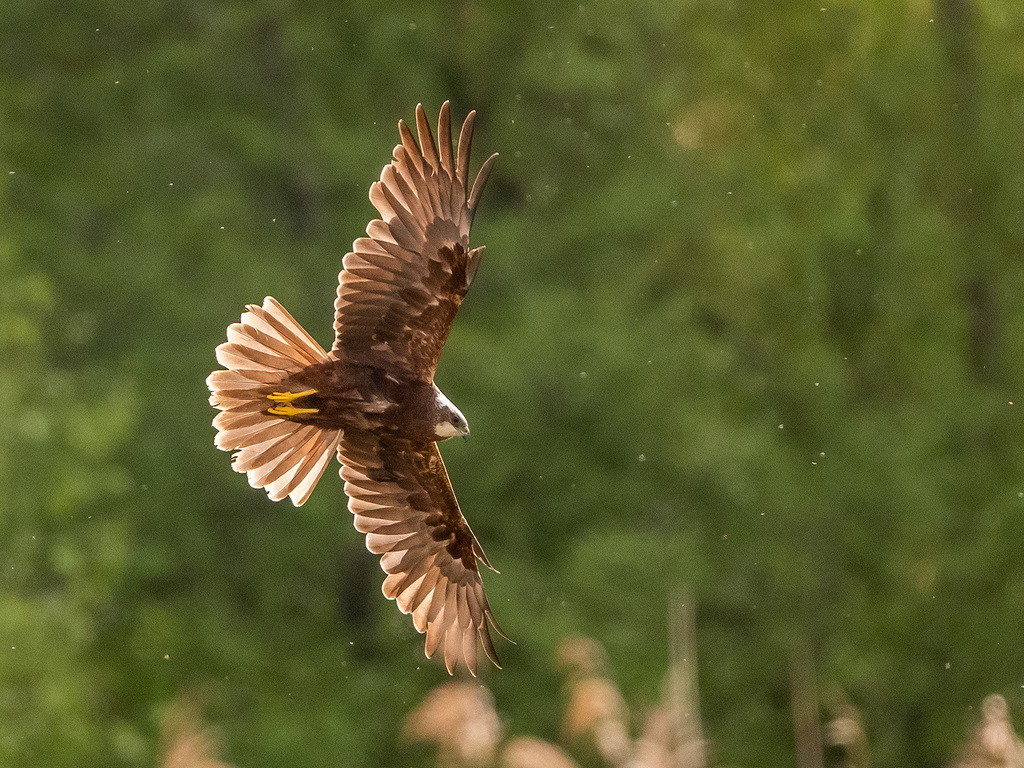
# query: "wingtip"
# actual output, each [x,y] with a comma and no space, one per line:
[488,645]
[479,183]
[497,628]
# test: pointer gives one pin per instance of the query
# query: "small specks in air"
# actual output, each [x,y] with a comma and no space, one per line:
[817,383]
[167,657]
[412,25]
[780,426]
[641,458]
[948,665]
[583,374]
[674,203]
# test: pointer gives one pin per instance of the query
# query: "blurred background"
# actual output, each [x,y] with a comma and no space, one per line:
[748,336]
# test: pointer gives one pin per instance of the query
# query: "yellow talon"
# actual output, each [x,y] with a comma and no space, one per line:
[286,408]
[287,397]
[290,410]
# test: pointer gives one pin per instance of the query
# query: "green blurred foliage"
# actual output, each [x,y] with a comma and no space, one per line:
[749,320]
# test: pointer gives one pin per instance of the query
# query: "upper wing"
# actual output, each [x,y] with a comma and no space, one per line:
[401,286]
[403,501]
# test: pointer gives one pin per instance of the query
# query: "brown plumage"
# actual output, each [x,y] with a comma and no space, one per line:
[287,405]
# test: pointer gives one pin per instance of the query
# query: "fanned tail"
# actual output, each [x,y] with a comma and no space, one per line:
[285,457]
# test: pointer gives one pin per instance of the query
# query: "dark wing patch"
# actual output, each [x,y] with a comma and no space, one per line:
[402,500]
[401,287]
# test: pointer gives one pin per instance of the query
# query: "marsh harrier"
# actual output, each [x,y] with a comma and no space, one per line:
[287,405]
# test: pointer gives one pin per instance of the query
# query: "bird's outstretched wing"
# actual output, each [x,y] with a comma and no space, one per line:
[401,286]
[402,500]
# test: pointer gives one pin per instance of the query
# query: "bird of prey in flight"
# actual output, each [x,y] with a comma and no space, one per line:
[287,405]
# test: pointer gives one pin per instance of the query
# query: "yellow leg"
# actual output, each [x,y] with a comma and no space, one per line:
[285,399]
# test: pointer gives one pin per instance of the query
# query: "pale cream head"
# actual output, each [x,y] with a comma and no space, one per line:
[450,422]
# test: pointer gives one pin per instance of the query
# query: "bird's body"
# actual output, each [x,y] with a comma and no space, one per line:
[287,405]
[345,396]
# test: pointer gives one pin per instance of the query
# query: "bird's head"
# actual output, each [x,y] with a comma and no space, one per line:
[450,421]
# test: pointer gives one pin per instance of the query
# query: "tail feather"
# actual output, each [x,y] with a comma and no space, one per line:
[243,379]
[254,338]
[284,457]
[273,320]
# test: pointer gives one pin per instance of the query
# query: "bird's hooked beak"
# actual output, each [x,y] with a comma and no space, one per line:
[451,422]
